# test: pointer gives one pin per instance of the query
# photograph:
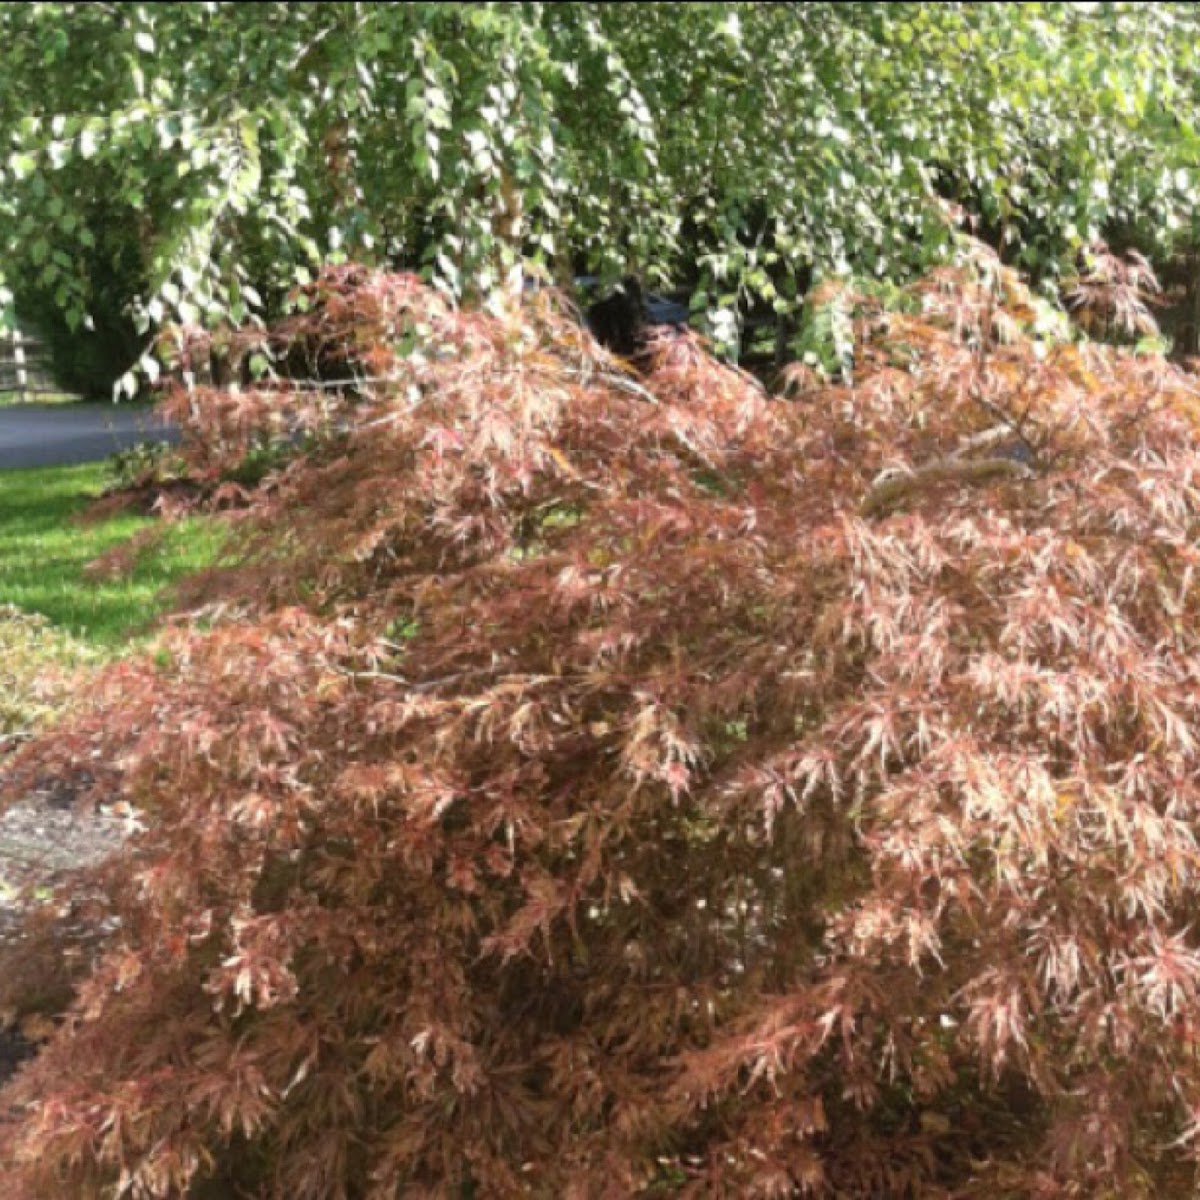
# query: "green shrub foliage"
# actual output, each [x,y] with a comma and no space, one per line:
[595,786]
[162,161]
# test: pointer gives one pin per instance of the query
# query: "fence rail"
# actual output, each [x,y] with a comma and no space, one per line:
[25,368]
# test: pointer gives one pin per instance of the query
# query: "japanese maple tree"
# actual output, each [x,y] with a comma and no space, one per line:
[590,784]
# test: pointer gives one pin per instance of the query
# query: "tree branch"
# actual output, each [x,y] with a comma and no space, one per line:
[893,488]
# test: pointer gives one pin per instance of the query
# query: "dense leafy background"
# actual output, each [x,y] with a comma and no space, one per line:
[160,161]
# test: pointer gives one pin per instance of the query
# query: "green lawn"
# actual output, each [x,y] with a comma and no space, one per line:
[43,554]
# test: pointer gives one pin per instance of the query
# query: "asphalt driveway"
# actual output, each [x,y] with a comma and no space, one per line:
[53,435]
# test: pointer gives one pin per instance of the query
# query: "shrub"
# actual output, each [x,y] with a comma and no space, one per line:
[144,464]
[619,786]
[38,665]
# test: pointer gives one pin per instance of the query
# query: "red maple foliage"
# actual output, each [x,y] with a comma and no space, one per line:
[594,786]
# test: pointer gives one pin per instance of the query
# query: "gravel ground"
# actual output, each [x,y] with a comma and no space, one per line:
[47,834]
[41,838]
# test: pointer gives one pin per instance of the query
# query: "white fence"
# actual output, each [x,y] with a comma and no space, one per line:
[25,367]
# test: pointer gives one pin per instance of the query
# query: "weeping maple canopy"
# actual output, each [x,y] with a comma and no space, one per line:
[593,785]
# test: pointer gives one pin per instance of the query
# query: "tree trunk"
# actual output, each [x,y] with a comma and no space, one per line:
[1189,345]
[508,226]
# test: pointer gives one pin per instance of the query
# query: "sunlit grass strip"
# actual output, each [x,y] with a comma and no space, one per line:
[44,554]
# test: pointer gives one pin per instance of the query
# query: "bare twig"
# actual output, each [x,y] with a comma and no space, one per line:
[328,385]
[431,685]
[981,441]
[620,382]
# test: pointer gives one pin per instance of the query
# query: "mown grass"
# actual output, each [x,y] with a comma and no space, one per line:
[44,554]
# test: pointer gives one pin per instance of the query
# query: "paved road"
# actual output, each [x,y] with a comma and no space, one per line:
[50,435]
